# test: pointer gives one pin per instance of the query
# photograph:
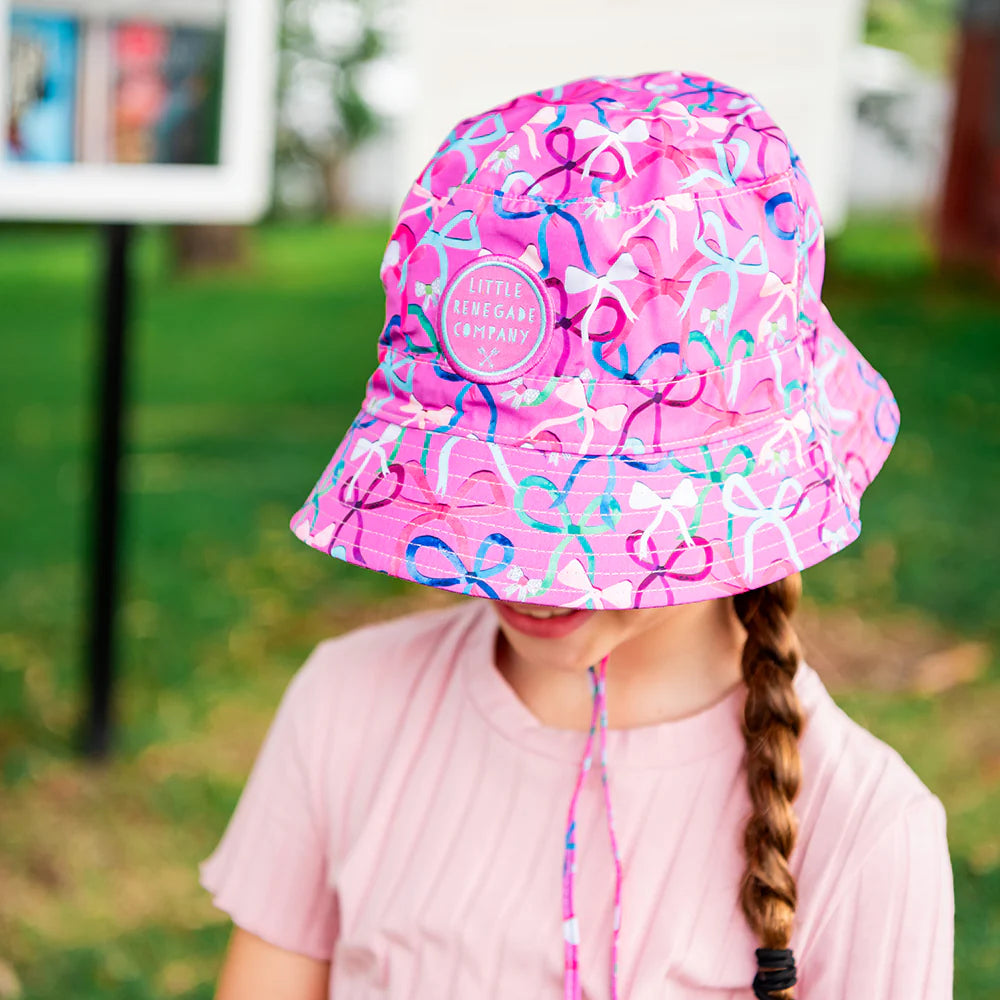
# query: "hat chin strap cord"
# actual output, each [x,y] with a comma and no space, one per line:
[571,927]
[777,966]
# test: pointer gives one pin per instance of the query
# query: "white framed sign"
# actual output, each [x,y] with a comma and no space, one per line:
[132,111]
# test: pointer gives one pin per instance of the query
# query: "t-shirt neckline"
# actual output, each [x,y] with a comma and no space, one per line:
[713,729]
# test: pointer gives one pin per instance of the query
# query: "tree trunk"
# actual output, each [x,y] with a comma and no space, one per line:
[336,199]
[969,223]
[205,247]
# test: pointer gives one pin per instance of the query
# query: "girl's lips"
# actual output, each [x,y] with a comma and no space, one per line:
[543,628]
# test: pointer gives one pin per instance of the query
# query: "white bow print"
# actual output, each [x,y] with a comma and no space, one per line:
[320,540]
[522,585]
[678,112]
[683,202]
[774,515]
[422,416]
[544,116]
[773,285]
[714,317]
[501,158]
[771,328]
[843,481]
[574,576]
[644,498]
[795,428]
[574,393]
[390,258]
[833,540]
[429,292]
[364,450]
[635,131]
[823,372]
[578,280]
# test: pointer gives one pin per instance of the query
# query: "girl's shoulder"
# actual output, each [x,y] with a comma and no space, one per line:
[358,685]
[872,837]
[847,768]
[867,822]
[392,649]
[364,703]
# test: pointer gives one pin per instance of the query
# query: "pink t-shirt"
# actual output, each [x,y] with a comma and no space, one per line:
[405,819]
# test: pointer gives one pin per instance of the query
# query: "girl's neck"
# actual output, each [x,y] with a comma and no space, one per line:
[687,660]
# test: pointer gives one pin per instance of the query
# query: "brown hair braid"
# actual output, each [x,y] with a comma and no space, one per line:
[772,723]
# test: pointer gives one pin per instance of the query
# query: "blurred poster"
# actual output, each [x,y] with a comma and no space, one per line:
[167,93]
[42,87]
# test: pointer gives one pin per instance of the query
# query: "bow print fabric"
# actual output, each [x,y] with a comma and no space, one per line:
[694,423]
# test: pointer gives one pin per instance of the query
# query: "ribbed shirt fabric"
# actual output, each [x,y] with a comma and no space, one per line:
[406,813]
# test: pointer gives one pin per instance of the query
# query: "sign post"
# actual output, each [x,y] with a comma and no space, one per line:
[95,736]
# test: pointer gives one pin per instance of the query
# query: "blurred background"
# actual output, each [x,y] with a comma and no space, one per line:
[246,355]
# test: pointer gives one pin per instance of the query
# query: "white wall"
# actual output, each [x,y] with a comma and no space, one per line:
[463,56]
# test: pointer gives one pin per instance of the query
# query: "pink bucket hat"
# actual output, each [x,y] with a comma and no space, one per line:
[606,377]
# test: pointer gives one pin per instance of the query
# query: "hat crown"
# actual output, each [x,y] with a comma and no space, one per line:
[678,251]
[624,141]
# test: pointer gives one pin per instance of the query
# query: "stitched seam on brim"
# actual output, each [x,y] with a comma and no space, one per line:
[629,573]
[786,351]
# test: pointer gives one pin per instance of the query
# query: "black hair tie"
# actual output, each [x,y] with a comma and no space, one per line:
[776,971]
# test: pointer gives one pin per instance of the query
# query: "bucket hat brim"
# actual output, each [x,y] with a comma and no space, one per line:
[522,523]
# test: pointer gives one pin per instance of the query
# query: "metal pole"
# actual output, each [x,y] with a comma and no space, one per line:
[96,735]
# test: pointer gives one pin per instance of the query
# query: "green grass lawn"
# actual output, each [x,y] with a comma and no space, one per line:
[241,385]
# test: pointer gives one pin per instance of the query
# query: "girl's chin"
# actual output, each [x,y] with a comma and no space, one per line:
[541,622]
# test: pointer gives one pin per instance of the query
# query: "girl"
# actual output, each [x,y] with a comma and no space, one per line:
[612,409]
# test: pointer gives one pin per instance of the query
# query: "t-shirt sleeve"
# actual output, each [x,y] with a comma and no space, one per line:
[269,871]
[889,933]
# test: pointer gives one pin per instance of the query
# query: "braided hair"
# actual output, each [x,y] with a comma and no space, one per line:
[772,723]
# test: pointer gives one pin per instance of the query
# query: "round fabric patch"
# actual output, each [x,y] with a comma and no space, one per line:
[496,318]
